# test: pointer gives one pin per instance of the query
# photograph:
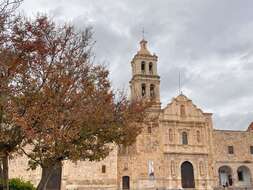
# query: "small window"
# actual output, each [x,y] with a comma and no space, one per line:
[143,89]
[251,149]
[150,68]
[152,91]
[103,169]
[149,130]
[230,150]
[143,67]
[240,175]
[184,138]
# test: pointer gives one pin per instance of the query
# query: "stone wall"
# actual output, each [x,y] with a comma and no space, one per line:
[241,142]
[89,175]
[18,168]
[80,175]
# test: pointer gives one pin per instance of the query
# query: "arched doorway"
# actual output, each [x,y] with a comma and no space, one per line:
[187,175]
[125,182]
[225,176]
[244,176]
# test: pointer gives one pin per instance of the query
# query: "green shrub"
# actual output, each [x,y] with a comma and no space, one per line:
[19,184]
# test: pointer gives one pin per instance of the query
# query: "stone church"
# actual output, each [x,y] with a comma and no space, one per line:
[178,148]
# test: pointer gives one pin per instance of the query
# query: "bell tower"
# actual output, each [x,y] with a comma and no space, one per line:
[145,82]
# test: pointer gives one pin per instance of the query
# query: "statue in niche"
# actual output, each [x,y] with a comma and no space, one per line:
[201,168]
[198,137]
[151,171]
[170,135]
[173,168]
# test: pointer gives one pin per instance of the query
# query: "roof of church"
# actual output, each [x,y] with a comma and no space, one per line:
[182,98]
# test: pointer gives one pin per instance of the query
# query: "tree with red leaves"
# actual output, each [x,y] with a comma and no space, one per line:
[63,103]
[10,134]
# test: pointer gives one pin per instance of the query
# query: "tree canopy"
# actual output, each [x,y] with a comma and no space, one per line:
[61,102]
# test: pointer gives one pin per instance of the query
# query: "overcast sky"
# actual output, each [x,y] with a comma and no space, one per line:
[209,41]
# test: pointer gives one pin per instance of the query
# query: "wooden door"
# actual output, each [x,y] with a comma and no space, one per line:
[187,175]
[125,183]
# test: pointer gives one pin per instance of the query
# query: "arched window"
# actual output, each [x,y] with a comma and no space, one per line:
[244,176]
[184,138]
[143,89]
[143,67]
[150,68]
[152,90]
[182,110]
[225,175]
[198,136]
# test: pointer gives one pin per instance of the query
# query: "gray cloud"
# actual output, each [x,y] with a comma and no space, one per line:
[210,42]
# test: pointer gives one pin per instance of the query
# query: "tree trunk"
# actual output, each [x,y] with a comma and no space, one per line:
[47,175]
[5,172]
[1,170]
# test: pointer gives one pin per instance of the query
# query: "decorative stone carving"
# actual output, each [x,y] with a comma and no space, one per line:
[173,168]
[201,168]
[171,136]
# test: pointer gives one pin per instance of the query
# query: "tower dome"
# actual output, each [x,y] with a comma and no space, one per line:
[143,48]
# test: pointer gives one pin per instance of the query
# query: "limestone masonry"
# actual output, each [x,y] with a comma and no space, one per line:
[178,148]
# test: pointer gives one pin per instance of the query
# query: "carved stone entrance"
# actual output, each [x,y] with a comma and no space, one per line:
[187,175]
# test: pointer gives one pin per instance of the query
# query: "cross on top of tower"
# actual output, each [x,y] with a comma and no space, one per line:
[143,44]
[143,33]
[180,90]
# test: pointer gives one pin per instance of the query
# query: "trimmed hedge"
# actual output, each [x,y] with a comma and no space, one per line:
[19,184]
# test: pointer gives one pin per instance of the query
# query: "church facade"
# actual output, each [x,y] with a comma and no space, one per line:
[177,149]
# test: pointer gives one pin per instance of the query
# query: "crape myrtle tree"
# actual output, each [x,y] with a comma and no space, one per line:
[10,135]
[64,103]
